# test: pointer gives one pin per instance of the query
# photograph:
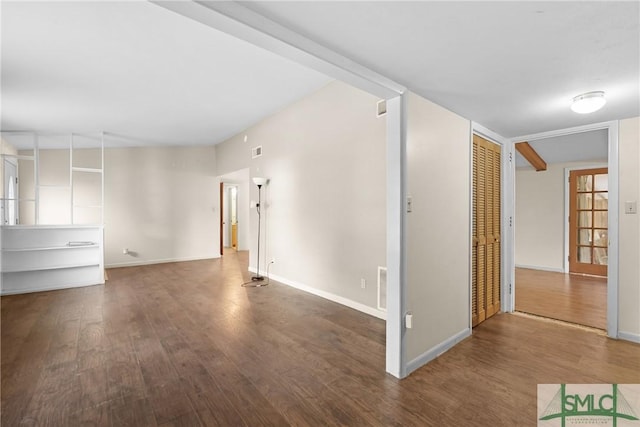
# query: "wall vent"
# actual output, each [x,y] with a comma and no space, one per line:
[256,151]
[381,108]
[382,288]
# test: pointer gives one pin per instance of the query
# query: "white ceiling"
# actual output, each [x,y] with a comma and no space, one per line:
[138,71]
[578,147]
[144,73]
[512,66]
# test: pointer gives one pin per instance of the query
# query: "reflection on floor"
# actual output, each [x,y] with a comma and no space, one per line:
[568,297]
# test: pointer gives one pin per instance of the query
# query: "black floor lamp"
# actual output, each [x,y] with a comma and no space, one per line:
[258,280]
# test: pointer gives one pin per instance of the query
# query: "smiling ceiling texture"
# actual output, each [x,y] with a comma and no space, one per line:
[148,74]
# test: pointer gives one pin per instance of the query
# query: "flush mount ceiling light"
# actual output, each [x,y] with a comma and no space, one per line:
[588,102]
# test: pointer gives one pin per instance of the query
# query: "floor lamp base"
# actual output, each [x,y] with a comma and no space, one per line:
[256,282]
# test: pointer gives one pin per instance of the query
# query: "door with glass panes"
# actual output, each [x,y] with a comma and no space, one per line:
[588,221]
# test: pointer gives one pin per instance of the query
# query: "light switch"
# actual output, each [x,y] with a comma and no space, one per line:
[631,207]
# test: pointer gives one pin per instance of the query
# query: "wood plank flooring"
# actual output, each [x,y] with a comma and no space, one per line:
[568,297]
[184,345]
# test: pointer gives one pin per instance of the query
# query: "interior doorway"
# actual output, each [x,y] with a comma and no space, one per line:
[562,230]
[230,216]
[234,211]
[221,230]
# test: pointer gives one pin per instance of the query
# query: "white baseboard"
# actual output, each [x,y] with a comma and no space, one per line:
[157,261]
[327,295]
[537,267]
[629,336]
[47,288]
[437,350]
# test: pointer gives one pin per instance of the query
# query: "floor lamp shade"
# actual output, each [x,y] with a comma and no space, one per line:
[259,181]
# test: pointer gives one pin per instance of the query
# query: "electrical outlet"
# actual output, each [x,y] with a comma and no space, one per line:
[363,283]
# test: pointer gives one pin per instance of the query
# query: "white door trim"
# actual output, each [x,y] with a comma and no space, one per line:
[396,363]
[614,196]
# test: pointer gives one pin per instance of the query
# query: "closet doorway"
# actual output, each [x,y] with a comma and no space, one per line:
[486,226]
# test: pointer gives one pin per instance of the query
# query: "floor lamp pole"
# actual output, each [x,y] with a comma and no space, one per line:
[258,280]
[258,277]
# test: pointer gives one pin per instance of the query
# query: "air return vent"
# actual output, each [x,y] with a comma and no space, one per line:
[256,151]
[382,288]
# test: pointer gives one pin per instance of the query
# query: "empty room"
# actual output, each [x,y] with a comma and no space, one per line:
[319,213]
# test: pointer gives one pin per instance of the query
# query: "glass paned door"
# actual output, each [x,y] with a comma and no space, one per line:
[588,220]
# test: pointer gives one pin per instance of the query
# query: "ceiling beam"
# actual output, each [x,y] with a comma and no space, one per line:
[239,21]
[531,156]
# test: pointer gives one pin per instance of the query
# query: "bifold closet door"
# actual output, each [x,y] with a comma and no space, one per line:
[486,230]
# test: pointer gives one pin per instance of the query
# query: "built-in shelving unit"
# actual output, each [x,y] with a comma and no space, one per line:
[52,215]
[41,258]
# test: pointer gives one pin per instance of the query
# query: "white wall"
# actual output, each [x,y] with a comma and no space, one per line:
[55,191]
[55,195]
[26,189]
[540,216]
[324,207]
[629,258]
[234,154]
[161,204]
[438,239]
[244,222]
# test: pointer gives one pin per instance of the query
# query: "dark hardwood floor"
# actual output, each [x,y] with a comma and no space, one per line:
[568,297]
[184,345]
